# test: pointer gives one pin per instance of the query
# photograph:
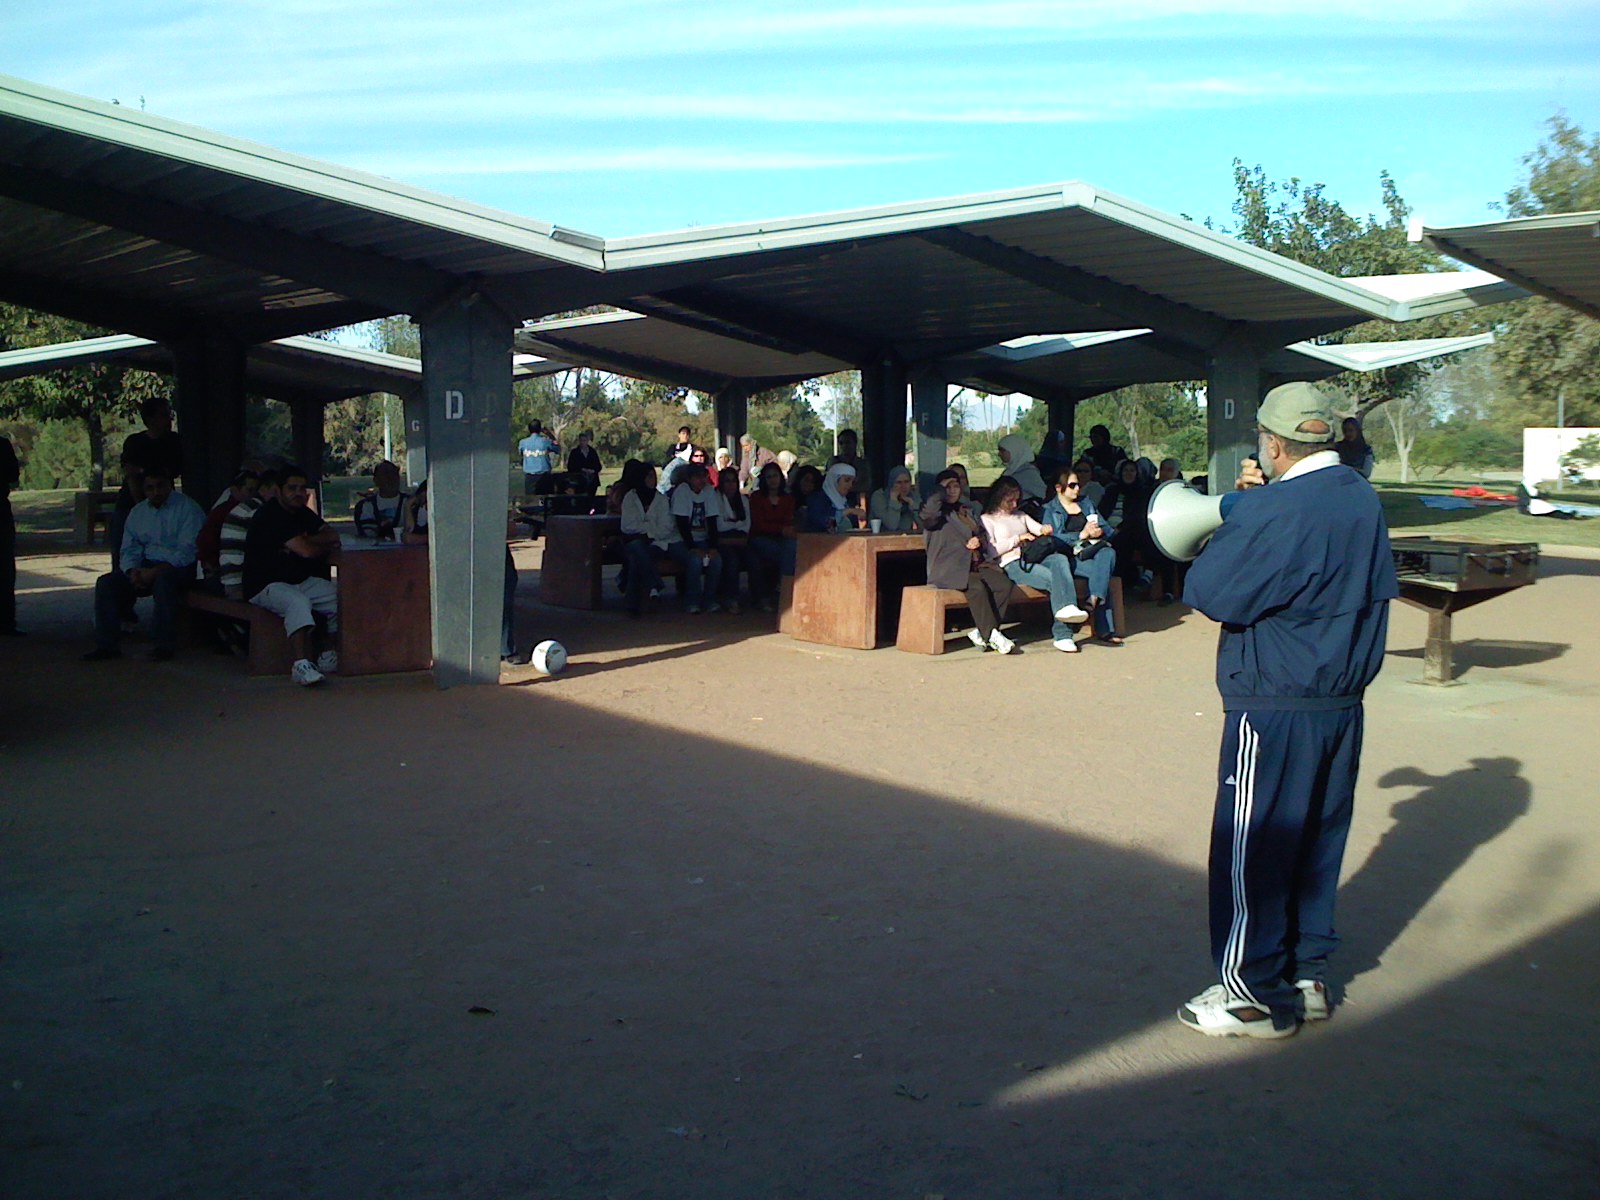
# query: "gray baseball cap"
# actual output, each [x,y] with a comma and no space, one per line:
[1290,405]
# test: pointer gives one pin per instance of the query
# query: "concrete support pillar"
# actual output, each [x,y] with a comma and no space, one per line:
[416,464]
[307,438]
[733,416]
[883,415]
[1064,416]
[209,401]
[466,383]
[930,414]
[1233,393]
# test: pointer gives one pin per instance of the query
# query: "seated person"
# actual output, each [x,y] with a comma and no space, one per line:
[381,512]
[1074,523]
[1007,530]
[287,555]
[849,456]
[806,483]
[1017,456]
[722,461]
[647,530]
[956,559]
[1102,456]
[830,510]
[1093,490]
[243,487]
[733,536]
[1126,505]
[157,559]
[696,509]
[972,505]
[1170,469]
[230,542]
[772,544]
[682,448]
[415,531]
[894,506]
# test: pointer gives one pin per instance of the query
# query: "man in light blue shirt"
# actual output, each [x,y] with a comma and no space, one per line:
[157,560]
[538,452]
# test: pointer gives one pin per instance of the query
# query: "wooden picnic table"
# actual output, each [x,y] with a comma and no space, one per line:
[574,546]
[847,586]
[385,609]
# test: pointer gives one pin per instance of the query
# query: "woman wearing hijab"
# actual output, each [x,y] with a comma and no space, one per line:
[1353,449]
[893,505]
[1017,456]
[956,559]
[1007,529]
[830,510]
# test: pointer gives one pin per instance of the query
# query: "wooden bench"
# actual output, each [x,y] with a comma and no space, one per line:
[269,644]
[91,511]
[923,608]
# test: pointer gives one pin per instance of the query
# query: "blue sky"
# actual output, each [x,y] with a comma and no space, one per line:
[628,116]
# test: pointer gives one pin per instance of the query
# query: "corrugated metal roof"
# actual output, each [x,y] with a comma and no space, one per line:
[148,225]
[1557,255]
[290,368]
[141,223]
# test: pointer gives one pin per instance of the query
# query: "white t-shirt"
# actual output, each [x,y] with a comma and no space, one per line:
[698,507]
[726,522]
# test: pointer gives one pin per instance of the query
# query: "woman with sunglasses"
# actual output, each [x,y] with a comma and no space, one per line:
[1077,526]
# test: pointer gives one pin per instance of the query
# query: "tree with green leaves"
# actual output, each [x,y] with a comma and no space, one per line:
[1298,220]
[1548,355]
[100,398]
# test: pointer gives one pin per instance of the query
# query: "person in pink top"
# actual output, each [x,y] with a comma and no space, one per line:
[1008,531]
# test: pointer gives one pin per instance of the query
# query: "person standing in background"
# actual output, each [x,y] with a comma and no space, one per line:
[10,475]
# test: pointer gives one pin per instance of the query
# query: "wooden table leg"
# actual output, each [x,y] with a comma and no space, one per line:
[1438,653]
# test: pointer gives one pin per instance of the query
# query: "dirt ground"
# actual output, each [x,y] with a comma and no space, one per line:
[720,914]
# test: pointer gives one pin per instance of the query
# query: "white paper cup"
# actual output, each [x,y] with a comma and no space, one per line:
[876,524]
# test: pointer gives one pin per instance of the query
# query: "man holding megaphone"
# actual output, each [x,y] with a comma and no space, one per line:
[1300,576]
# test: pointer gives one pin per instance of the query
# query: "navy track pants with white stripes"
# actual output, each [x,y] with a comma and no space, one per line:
[1286,784]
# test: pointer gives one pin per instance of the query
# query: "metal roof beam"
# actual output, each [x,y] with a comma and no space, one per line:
[1484,262]
[744,313]
[653,307]
[1128,303]
[379,281]
[94,306]
[638,366]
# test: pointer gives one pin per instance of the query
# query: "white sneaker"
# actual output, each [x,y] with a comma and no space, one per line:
[1000,642]
[1216,1013]
[714,606]
[1066,645]
[1314,995]
[304,673]
[1073,613]
[328,661]
[691,608]
[976,639]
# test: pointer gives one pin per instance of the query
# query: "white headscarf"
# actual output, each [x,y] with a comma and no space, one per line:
[724,456]
[830,485]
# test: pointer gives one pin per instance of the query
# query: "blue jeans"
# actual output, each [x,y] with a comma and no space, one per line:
[699,582]
[114,595]
[765,563]
[1096,574]
[1053,575]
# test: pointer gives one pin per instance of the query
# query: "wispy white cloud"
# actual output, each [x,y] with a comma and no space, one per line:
[650,158]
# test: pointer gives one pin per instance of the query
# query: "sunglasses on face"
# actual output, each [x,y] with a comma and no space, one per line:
[1072,485]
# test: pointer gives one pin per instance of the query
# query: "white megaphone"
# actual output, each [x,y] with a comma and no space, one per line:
[1182,520]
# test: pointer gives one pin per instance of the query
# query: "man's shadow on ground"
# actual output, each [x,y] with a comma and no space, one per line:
[1434,833]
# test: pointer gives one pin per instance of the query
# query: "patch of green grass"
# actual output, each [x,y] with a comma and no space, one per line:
[1403,507]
